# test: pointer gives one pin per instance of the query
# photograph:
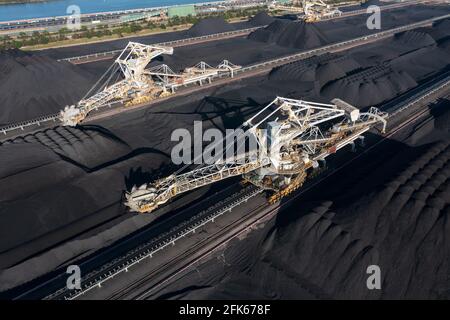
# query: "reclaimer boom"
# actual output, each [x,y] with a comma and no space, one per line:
[292,136]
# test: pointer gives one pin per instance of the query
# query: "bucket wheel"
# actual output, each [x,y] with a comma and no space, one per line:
[294,185]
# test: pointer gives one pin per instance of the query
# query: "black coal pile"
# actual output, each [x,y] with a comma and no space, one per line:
[414,38]
[33,86]
[427,51]
[440,29]
[45,183]
[50,173]
[368,3]
[261,19]
[320,69]
[33,155]
[369,86]
[443,121]
[87,147]
[396,217]
[290,34]
[400,226]
[209,26]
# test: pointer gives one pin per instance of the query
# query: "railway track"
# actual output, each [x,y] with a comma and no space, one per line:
[49,121]
[240,228]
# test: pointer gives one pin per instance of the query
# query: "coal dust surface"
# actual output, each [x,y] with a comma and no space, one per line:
[209,26]
[285,33]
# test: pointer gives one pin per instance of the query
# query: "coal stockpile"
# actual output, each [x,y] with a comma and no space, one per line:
[425,54]
[370,86]
[440,30]
[209,26]
[342,76]
[372,74]
[414,39]
[239,51]
[335,30]
[284,33]
[56,164]
[261,19]
[419,64]
[394,214]
[87,147]
[33,86]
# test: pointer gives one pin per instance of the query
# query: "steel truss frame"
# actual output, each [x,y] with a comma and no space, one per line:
[132,62]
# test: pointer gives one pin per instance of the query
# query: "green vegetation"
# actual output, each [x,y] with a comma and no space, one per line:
[105,31]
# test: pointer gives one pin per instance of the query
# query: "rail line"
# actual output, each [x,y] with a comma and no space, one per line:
[52,120]
[418,97]
[122,264]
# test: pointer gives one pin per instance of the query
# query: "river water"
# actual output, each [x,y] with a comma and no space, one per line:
[59,7]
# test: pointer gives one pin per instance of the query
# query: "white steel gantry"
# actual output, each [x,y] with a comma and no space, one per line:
[138,84]
[166,78]
[291,135]
[131,62]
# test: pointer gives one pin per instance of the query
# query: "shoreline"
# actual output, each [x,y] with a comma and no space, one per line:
[89,12]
